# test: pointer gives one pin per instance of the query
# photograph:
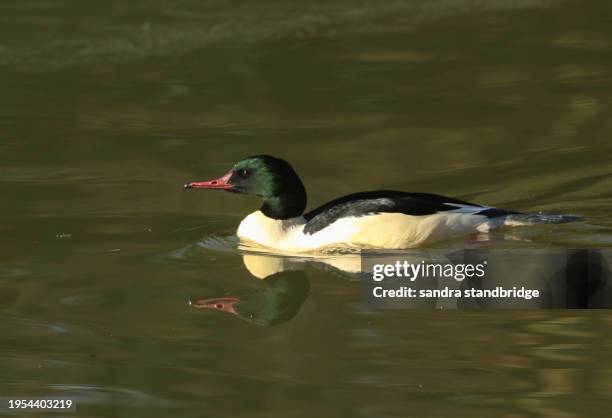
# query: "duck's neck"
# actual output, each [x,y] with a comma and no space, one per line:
[285,205]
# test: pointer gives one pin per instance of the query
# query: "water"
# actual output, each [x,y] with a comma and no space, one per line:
[107,109]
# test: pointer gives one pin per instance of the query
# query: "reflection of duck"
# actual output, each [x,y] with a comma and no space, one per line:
[377,219]
[285,292]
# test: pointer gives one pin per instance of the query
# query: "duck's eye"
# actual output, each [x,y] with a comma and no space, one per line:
[243,173]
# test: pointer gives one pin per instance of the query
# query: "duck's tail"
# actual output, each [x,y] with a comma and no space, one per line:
[520,219]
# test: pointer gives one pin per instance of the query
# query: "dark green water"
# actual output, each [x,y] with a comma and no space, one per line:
[107,108]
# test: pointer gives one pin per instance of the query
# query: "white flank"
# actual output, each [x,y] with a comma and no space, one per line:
[383,230]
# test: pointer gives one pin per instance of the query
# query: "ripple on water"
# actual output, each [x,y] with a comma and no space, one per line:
[91,394]
[213,243]
[9,273]
[227,243]
[232,244]
[75,300]
[28,328]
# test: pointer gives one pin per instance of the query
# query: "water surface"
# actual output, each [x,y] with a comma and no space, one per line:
[106,109]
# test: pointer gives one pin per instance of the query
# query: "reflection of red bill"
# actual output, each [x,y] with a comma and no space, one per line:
[220,304]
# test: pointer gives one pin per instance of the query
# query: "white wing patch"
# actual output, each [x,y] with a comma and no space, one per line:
[467,209]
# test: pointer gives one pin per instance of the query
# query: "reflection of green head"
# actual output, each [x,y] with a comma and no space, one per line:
[280,301]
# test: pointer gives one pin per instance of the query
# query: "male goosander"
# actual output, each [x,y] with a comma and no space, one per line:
[382,219]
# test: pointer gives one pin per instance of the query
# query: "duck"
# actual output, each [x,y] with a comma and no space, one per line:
[379,219]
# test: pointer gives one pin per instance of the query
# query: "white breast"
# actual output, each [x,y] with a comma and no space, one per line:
[272,233]
[383,230]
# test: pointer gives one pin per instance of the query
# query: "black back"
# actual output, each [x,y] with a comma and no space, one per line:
[387,201]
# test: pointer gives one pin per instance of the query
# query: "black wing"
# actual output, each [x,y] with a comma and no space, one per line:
[387,201]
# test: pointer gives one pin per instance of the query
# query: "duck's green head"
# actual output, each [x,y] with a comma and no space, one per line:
[272,179]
